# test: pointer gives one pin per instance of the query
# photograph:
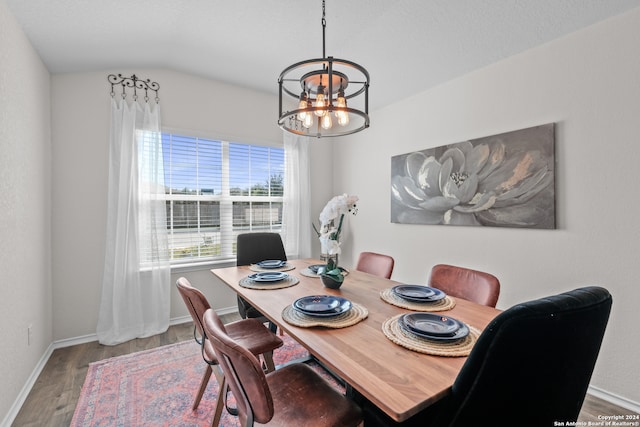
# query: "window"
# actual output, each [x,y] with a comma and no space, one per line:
[216,190]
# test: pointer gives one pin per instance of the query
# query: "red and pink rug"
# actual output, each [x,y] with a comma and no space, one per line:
[156,388]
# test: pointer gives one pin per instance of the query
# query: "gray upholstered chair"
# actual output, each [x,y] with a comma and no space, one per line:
[477,286]
[292,396]
[250,332]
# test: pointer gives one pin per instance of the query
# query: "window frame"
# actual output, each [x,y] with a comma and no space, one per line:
[226,201]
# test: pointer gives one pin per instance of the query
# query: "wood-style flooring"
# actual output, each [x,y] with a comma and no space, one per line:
[53,397]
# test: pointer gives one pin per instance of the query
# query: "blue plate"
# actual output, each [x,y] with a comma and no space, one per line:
[271,263]
[317,268]
[268,276]
[433,326]
[322,305]
[418,293]
[320,268]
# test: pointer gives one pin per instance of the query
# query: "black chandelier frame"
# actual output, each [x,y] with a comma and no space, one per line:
[333,73]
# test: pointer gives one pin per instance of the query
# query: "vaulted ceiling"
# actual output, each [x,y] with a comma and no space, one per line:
[407,45]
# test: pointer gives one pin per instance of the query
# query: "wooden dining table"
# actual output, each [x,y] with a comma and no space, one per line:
[398,381]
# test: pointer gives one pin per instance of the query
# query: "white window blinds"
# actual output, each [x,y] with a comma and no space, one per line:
[216,190]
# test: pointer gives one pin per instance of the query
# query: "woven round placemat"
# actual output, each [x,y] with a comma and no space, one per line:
[286,267]
[446,303]
[309,273]
[392,330]
[350,318]
[250,284]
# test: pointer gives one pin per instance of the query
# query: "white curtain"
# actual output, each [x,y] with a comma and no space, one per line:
[297,196]
[136,283]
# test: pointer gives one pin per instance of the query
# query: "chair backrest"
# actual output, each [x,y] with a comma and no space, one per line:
[243,372]
[532,363]
[477,286]
[376,264]
[195,301]
[256,247]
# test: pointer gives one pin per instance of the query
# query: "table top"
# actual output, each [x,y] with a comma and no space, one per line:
[399,381]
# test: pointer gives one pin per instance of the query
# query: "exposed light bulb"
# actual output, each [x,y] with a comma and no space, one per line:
[321,101]
[308,120]
[326,121]
[302,104]
[343,119]
[343,116]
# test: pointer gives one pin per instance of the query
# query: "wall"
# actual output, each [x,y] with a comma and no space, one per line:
[588,83]
[80,118]
[25,177]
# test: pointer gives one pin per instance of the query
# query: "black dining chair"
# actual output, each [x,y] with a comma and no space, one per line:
[531,366]
[250,249]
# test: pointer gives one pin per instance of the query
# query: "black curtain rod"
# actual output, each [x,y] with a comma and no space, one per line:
[135,83]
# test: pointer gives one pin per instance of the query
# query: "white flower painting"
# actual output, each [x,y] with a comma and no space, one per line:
[505,180]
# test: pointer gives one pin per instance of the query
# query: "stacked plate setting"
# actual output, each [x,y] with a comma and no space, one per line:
[434,326]
[268,277]
[322,305]
[418,293]
[428,325]
[271,263]
[317,268]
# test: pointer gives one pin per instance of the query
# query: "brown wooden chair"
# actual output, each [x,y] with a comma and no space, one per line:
[294,395]
[250,332]
[377,264]
[477,286]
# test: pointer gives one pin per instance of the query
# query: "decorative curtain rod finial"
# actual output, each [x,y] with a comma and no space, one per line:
[135,83]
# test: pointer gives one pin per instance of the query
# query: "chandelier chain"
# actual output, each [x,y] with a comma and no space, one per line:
[324,26]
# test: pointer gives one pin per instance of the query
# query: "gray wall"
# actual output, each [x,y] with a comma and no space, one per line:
[80,129]
[80,117]
[25,203]
[588,83]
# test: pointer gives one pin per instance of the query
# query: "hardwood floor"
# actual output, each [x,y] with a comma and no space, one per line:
[594,408]
[53,397]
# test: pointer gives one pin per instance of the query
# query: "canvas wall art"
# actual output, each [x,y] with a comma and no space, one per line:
[505,180]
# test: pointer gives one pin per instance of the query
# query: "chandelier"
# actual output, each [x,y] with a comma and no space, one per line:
[324,97]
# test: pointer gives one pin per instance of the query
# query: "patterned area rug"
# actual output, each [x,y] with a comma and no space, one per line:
[157,388]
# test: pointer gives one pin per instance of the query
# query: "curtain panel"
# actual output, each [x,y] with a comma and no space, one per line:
[297,196]
[136,282]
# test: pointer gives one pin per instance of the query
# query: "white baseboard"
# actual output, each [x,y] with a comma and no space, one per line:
[68,342]
[615,399]
[26,389]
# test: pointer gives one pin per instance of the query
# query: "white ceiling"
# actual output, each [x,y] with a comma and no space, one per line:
[406,45]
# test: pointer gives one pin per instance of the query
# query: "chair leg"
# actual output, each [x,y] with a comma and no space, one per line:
[268,361]
[220,400]
[203,387]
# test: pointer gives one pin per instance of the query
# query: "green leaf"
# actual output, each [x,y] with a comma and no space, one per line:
[336,274]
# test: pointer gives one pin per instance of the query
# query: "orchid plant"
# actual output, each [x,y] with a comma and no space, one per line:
[331,220]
